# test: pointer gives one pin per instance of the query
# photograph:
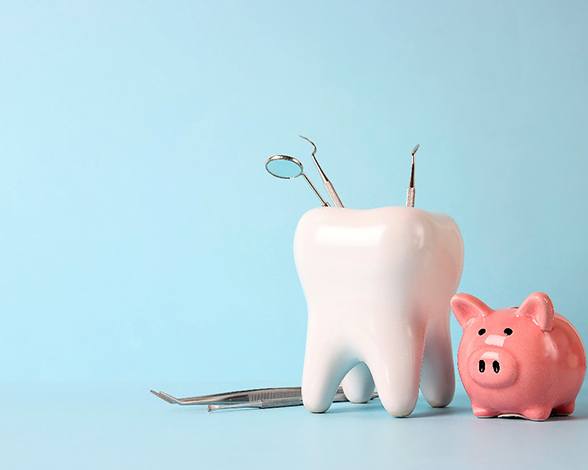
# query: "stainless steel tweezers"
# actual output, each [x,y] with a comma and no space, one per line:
[254,398]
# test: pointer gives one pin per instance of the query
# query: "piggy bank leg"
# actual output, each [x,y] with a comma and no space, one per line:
[395,364]
[358,384]
[565,409]
[481,412]
[437,375]
[537,413]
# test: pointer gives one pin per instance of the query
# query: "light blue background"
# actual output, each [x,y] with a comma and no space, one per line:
[142,242]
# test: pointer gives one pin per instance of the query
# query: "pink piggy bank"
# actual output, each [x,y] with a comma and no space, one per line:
[526,361]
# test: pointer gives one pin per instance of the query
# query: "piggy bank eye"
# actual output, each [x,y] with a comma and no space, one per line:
[481,331]
[507,331]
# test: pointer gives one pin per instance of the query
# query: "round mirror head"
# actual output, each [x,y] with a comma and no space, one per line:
[283,166]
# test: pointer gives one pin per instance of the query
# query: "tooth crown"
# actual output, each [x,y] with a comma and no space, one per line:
[378,284]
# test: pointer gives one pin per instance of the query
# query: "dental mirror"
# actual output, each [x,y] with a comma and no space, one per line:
[287,167]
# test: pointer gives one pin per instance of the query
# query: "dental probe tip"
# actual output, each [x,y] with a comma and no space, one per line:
[310,142]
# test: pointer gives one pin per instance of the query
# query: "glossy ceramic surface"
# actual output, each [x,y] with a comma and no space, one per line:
[526,361]
[378,284]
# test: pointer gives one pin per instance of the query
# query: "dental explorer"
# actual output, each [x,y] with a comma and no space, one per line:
[330,188]
[411,189]
[287,167]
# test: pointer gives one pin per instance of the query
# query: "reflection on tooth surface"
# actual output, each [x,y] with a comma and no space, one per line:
[354,236]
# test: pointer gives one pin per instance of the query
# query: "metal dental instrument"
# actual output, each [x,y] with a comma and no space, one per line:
[240,396]
[255,398]
[279,402]
[411,191]
[330,188]
[287,167]
[295,400]
[261,404]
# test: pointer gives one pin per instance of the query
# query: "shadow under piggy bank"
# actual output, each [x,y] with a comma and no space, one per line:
[378,283]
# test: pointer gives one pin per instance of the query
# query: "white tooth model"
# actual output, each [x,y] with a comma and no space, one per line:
[378,284]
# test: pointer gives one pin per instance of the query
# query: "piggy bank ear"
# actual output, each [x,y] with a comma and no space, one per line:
[467,306]
[539,308]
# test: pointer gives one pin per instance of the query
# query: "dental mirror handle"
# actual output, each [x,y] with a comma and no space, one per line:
[314,190]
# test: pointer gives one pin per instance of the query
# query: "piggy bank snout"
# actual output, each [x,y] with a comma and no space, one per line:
[493,368]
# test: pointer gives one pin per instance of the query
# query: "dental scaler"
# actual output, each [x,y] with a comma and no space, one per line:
[411,190]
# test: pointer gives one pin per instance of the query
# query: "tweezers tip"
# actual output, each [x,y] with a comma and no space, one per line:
[164,396]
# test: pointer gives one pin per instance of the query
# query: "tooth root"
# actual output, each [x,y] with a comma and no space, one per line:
[358,384]
[395,365]
[437,375]
[324,369]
